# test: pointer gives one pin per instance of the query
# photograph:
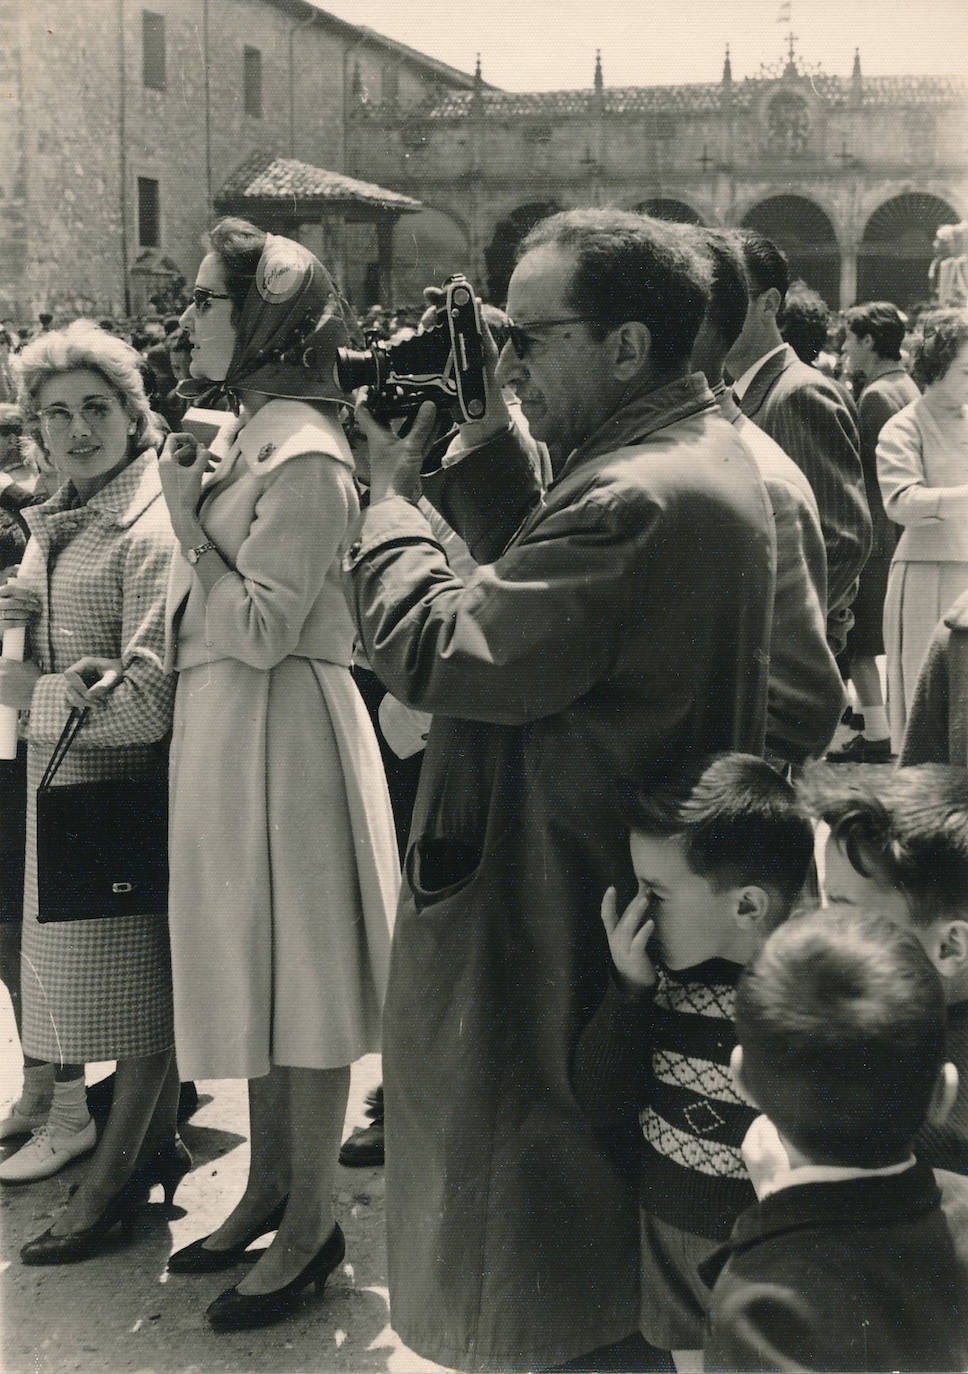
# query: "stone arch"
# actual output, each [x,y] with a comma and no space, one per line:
[897,246]
[668,208]
[428,247]
[499,255]
[806,234]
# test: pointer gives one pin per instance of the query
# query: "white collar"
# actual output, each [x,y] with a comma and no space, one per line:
[770,1169]
[742,384]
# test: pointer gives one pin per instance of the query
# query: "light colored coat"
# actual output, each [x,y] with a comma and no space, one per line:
[922,467]
[284,873]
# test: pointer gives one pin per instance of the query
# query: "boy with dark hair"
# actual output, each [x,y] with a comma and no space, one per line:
[846,1261]
[720,856]
[898,844]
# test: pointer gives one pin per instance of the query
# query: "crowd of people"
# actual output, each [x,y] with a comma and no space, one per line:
[499,745]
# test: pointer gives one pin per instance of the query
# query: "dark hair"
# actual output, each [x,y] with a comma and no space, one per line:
[240,245]
[841,1019]
[885,324]
[766,264]
[906,826]
[497,322]
[738,818]
[631,267]
[942,334]
[804,321]
[729,296]
[170,324]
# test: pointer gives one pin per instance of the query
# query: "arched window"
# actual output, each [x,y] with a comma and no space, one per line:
[500,253]
[897,248]
[807,237]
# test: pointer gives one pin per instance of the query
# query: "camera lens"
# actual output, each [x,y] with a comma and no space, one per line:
[355,368]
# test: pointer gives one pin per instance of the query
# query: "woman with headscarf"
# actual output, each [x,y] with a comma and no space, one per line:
[284,873]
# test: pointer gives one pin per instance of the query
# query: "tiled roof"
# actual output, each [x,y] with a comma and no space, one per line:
[688,99]
[265,177]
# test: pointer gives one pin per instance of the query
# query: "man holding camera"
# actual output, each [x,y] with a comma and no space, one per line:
[613,628]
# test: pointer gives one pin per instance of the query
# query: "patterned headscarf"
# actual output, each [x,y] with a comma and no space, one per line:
[291,325]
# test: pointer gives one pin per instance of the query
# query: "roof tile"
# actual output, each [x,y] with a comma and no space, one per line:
[263,176]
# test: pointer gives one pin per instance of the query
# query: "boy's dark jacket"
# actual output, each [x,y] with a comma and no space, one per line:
[854,1275]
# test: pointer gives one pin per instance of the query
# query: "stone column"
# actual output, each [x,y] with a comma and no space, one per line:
[848,275]
[384,257]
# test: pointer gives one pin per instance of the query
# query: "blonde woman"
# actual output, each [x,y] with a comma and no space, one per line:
[91,591]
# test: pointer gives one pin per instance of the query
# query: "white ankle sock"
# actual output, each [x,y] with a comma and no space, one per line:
[68,1110]
[875,722]
[38,1089]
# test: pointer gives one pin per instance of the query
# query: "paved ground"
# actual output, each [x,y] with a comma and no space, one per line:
[121,1312]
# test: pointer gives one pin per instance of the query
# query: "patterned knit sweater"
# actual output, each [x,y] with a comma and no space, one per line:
[665,1056]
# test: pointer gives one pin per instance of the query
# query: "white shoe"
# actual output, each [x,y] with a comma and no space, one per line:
[17,1122]
[46,1154]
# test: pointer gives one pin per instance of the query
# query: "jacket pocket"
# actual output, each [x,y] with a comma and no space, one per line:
[439,866]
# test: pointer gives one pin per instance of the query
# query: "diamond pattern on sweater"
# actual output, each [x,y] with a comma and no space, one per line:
[696,999]
[702,1155]
[701,1076]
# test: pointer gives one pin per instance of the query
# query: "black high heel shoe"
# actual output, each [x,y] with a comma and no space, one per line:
[167,1166]
[235,1311]
[196,1259]
[82,1245]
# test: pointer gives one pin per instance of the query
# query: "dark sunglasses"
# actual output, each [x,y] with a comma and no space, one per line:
[201,297]
[521,337]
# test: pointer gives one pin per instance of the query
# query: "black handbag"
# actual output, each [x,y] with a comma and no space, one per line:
[13,833]
[102,847]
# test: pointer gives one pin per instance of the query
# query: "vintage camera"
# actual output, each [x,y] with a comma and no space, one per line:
[443,364]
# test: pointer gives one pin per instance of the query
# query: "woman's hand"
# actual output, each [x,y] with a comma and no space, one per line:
[181,467]
[18,605]
[17,683]
[88,681]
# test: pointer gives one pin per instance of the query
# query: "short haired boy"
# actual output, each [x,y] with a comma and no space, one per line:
[720,856]
[846,1261]
[898,844]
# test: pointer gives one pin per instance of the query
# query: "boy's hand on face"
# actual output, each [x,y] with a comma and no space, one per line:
[628,936]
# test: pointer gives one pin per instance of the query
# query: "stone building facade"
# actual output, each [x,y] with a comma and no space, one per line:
[850,175]
[125,125]
[121,121]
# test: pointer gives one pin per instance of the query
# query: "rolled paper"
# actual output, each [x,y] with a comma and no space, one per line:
[13,647]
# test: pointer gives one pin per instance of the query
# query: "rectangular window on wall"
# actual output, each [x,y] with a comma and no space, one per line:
[153,50]
[149,213]
[252,81]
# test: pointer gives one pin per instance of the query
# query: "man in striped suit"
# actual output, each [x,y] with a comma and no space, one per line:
[810,418]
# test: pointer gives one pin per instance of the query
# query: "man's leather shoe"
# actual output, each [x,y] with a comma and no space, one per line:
[860,749]
[364,1148]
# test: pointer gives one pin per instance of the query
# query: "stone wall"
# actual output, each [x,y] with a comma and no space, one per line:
[81,126]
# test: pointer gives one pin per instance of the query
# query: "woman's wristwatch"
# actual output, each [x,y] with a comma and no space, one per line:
[194,554]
